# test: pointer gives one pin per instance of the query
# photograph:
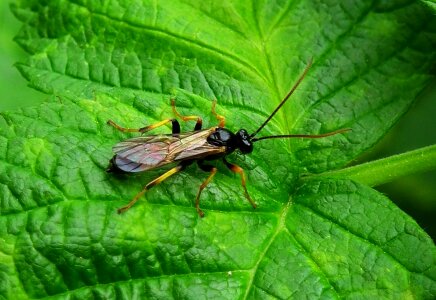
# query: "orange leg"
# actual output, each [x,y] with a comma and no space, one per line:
[220,118]
[237,169]
[175,123]
[150,185]
[212,171]
[146,128]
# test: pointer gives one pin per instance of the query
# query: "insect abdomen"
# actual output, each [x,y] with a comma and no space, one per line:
[121,165]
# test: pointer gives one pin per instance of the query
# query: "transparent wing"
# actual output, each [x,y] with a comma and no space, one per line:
[145,153]
[149,151]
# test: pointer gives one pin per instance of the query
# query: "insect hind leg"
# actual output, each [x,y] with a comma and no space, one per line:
[152,184]
[206,168]
[237,169]
[175,126]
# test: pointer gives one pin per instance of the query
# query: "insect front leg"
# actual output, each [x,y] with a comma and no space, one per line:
[206,168]
[237,169]
[220,118]
[199,122]
[152,184]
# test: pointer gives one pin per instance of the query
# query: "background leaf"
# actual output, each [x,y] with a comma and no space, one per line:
[430,3]
[122,60]
[12,84]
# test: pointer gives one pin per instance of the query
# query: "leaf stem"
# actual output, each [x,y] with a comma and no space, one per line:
[390,168]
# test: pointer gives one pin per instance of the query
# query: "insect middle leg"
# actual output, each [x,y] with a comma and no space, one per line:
[199,122]
[152,184]
[237,169]
[206,168]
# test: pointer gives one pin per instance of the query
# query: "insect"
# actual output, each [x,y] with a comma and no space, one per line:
[184,148]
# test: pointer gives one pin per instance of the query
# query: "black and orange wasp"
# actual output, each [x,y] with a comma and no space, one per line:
[200,145]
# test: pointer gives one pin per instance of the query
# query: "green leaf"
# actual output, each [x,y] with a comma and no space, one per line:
[122,60]
[430,3]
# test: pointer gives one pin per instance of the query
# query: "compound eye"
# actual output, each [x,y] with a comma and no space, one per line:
[243,134]
[246,147]
[243,140]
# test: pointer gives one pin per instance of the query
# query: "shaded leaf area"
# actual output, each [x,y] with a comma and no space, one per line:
[59,229]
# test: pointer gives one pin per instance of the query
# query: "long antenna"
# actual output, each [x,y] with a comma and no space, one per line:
[309,64]
[310,136]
